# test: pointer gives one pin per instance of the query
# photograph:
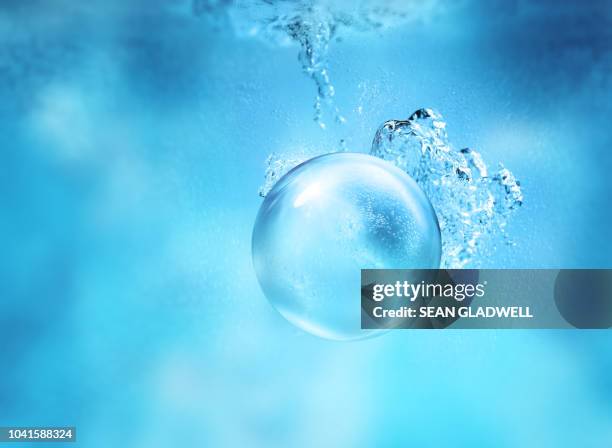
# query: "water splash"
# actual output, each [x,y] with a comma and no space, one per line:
[473,206]
[276,167]
[313,25]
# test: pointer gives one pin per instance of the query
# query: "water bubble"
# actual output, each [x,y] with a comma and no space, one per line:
[327,219]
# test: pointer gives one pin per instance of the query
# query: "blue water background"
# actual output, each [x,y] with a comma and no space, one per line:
[133,140]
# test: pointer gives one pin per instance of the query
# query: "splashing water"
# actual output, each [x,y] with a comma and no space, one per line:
[313,24]
[277,167]
[471,204]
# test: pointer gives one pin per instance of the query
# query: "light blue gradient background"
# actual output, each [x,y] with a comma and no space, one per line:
[133,143]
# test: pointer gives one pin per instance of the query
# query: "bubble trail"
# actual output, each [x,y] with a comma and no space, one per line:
[314,35]
[313,25]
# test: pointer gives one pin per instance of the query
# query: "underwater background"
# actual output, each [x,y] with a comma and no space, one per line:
[134,138]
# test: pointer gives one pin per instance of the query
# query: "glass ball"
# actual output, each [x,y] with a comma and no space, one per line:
[327,219]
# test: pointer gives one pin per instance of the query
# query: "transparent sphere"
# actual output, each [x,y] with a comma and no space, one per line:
[327,219]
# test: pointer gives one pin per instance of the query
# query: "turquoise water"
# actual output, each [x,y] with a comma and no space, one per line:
[134,141]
